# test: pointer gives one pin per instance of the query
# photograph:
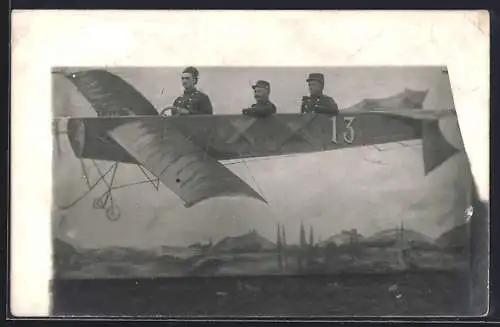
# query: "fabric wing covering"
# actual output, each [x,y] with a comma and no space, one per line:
[440,140]
[180,165]
[109,94]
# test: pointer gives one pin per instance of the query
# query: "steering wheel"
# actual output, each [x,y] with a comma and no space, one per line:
[167,112]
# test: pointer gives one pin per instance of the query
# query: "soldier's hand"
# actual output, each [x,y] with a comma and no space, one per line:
[317,109]
[246,111]
[168,111]
[183,111]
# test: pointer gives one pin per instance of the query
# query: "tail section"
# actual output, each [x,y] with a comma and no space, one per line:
[436,149]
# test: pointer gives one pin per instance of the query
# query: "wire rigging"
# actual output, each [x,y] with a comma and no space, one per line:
[300,154]
[155,182]
[85,174]
[87,192]
[251,175]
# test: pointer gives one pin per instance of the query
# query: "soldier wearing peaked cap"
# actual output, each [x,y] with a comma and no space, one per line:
[192,101]
[263,106]
[316,101]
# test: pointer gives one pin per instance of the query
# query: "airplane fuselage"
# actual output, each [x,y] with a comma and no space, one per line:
[228,137]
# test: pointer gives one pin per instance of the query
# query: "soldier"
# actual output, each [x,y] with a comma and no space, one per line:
[318,102]
[192,101]
[263,107]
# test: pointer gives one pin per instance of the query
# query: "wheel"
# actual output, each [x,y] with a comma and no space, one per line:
[113,213]
[98,203]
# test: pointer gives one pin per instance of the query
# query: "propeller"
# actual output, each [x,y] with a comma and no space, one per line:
[56,131]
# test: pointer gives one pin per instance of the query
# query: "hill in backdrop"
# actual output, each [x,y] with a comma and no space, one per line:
[389,237]
[396,233]
[65,256]
[458,236]
[63,249]
[384,238]
[341,238]
[251,241]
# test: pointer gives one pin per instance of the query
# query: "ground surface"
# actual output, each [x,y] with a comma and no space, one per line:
[429,293]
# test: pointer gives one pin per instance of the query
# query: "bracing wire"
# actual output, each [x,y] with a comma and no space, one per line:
[109,185]
[85,174]
[129,184]
[113,176]
[100,172]
[285,156]
[251,175]
[155,183]
[263,159]
[81,197]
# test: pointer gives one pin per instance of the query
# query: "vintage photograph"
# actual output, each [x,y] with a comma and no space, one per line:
[259,191]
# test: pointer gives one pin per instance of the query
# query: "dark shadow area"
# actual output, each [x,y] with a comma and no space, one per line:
[426,293]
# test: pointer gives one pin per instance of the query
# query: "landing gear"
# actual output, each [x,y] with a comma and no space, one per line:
[98,203]
[105,201]
[113,212]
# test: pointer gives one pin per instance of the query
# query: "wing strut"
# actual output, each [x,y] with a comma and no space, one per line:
[105,201]
[155,182]
[91,188]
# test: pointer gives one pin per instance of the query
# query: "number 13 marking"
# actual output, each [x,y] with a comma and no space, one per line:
[349,134]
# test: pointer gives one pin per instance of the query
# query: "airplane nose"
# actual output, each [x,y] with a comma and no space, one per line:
[76,135]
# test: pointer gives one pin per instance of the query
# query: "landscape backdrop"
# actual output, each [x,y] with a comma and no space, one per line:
[368,209]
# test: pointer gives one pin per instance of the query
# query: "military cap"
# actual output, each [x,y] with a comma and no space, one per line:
[316,77]
[191,70]
[263,84]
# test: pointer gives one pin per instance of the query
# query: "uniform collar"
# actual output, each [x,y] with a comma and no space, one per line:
[263,101]
[190,91]
[315,96]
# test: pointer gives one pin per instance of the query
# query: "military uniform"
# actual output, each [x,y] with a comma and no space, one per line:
[321,104]
[194,101]
[262,108]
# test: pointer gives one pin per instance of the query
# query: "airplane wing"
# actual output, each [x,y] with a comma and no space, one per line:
[180,165]
[109,94]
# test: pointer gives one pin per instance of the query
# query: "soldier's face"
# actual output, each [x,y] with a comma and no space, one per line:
[187,80]
[260,93]
[315,87]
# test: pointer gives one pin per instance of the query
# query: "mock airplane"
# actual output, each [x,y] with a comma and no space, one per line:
[184,153]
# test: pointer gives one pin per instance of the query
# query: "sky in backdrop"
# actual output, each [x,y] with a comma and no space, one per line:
[363,188]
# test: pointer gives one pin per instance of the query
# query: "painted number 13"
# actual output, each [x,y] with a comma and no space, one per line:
[348,134]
